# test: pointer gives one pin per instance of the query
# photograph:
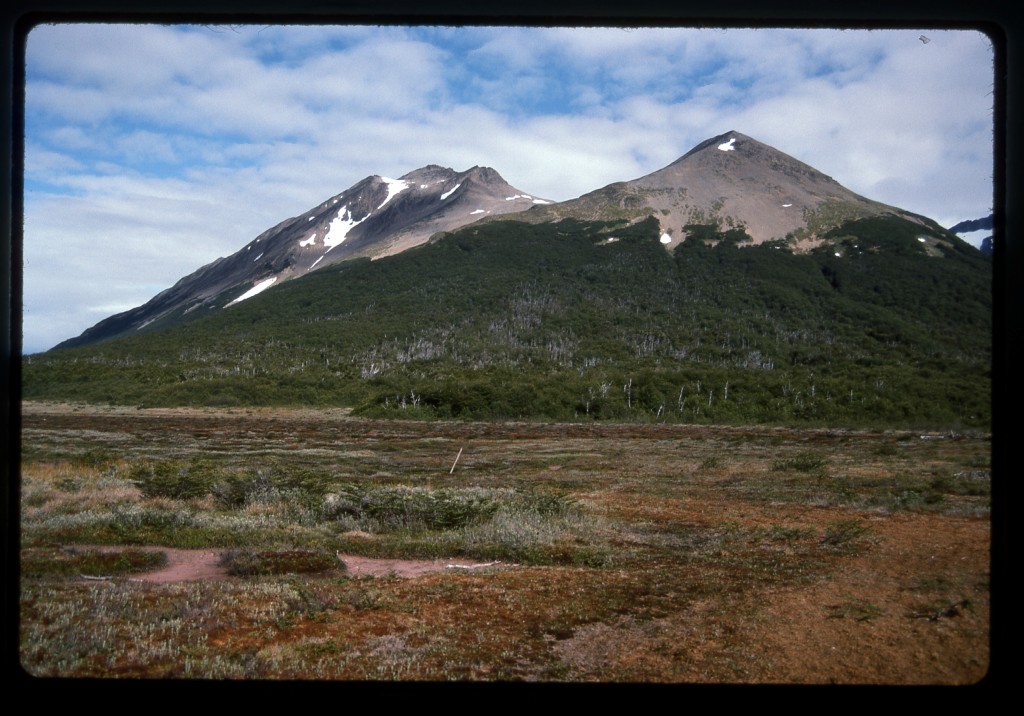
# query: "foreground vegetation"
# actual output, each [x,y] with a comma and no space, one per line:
[885,325]
[617,552]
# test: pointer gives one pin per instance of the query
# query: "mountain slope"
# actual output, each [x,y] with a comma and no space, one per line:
[576,320]
[730,181]
[375,217]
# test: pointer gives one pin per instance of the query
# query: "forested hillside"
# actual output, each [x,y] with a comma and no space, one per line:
[878,326]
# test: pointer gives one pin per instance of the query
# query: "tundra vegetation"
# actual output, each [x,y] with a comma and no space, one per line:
[616,552]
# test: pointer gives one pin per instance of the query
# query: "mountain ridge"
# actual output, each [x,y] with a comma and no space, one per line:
[375,217]
[729,182]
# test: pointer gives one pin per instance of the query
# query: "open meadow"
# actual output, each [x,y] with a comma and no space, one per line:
[251,543]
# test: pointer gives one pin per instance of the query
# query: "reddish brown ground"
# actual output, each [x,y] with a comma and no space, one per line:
[911,606]
[875,618]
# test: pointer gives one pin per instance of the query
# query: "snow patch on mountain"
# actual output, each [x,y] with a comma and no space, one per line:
[395,187]
[340,226]
[728,146]
[308,242]
[450,191]
[258,288]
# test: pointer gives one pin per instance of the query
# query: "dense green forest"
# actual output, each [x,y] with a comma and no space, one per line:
[879,326]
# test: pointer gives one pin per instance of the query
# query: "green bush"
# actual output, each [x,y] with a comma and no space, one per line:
[245,562]
[399,507]
[170,479]
[803,462]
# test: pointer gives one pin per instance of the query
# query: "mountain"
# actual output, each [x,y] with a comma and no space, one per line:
[376,217]
[977,232]
[731,181]
[860,314]
[574,320]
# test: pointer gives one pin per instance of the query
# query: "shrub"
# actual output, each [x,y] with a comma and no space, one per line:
[168,479]
[803,462]
[78,561]
[402,507]
[843,534]
[243,562]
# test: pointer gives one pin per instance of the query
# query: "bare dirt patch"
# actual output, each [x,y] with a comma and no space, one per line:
[912,609]
[183,565]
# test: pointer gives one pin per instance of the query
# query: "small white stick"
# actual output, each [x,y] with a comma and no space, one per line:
[472,566]
[456,461]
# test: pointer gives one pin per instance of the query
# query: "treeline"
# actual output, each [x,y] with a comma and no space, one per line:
[588,321]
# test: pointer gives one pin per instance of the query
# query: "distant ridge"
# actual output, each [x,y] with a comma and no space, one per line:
[976,226]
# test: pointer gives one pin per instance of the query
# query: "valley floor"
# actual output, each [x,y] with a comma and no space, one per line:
[613,553]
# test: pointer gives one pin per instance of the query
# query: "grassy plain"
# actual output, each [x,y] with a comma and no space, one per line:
[621,553]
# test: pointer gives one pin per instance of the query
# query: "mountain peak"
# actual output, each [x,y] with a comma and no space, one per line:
[733,181]
[724,142]
[377,216]
[429,173]
[744,158]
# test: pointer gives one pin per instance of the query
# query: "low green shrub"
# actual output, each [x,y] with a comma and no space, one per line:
[802,462]
[246,562]
[49,562]
[844,534]
[171,479]
[388,508]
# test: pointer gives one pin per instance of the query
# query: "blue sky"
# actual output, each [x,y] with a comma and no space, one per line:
[151,150]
